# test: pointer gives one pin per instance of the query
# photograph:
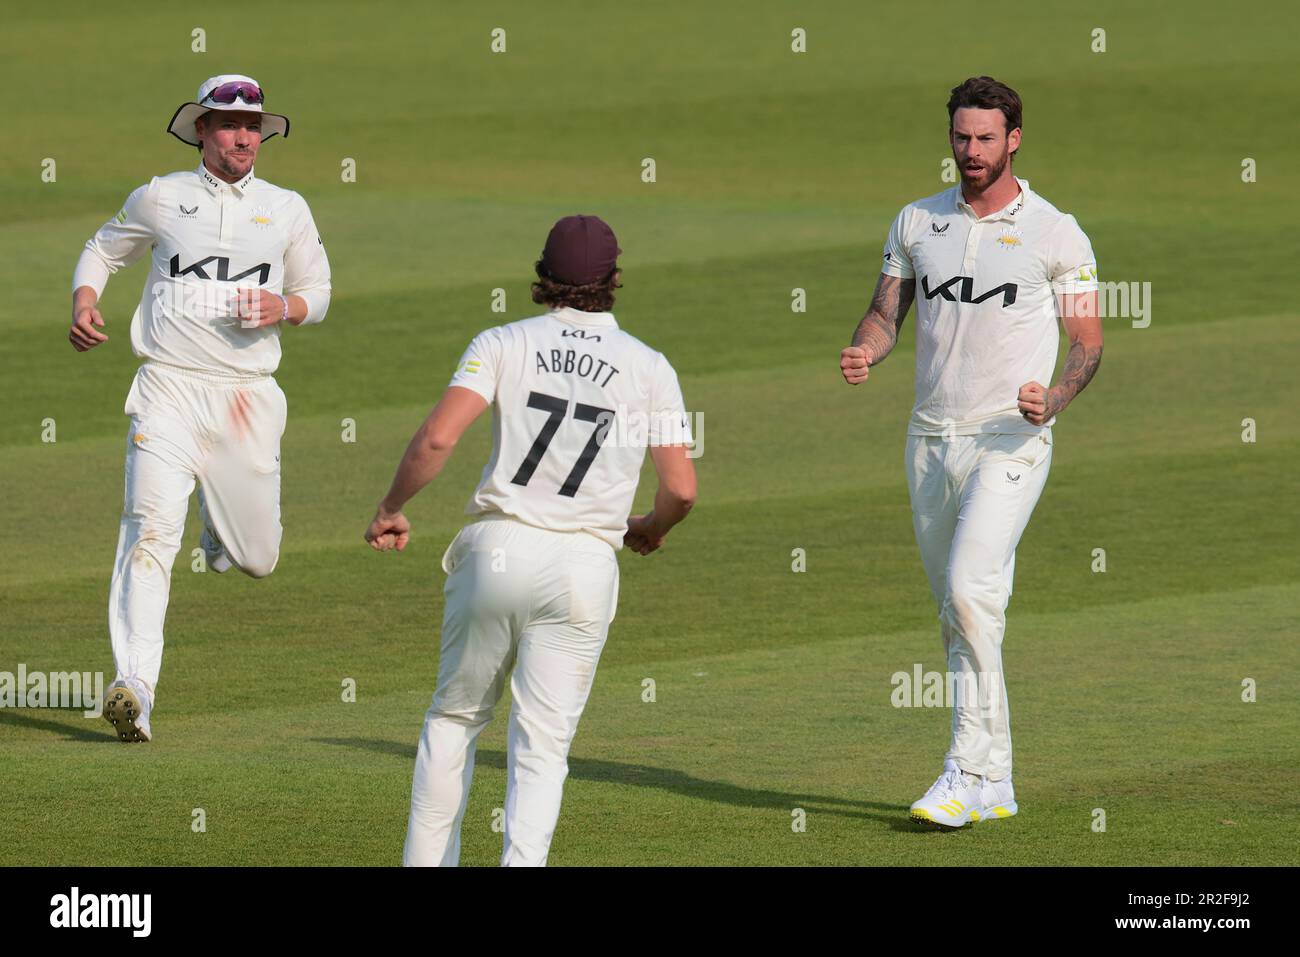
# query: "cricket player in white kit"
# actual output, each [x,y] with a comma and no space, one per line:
[997,265]
[233,259]
[533,580]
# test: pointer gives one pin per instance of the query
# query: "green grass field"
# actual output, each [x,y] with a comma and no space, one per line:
[775,170]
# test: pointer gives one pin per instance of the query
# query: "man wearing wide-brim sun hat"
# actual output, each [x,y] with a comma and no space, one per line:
[234,258]
[231,92]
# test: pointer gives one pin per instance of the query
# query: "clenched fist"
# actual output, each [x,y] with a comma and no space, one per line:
[855,364]
[1037,402]
[388,531]
[643,535]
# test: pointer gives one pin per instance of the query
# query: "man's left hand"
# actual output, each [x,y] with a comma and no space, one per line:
[1038,403]
[258,307]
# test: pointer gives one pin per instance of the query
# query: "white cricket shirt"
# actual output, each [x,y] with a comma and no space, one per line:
[575,402]
[210,238]
[985,304]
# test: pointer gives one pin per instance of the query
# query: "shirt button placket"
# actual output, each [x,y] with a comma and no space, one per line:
[226,217]
[972,246]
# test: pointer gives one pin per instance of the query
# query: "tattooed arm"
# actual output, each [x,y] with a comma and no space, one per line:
[877,333]
[1083,326]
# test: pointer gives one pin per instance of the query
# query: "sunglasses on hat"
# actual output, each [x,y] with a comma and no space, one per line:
[226,93]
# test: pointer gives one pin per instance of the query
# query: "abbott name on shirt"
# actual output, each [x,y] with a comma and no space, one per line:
[986,304]
[564,388]
[209,239]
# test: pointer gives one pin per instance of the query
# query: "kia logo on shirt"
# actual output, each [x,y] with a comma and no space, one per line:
[1008,290]
[223,270]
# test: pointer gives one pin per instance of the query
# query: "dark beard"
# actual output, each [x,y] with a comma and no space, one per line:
[992,173]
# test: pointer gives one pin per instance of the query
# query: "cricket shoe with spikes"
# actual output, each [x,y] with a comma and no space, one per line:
[954,800]
[999,799]
[126,707]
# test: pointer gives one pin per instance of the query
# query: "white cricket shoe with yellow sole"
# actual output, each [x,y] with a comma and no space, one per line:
[952,801]
[999,799]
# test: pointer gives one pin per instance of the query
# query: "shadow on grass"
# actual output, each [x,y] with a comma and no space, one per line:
[677,782]
[85,729]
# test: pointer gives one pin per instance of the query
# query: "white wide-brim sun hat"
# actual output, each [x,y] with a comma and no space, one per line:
[182,124]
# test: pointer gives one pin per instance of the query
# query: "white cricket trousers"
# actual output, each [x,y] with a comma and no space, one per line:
[537,601]
[972,496]
[223,432]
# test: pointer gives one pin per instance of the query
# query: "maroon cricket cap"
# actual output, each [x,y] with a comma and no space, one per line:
[580,250]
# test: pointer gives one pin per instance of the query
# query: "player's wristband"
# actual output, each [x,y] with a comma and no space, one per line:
[285,300]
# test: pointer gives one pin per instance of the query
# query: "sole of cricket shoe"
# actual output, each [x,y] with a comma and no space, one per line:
[922,816]
[999,811]
[122,711]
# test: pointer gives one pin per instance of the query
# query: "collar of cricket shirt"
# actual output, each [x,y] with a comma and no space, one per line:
[215,185]
[1008,212]
[577,316]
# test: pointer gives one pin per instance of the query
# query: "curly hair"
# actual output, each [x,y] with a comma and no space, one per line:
[590,297]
